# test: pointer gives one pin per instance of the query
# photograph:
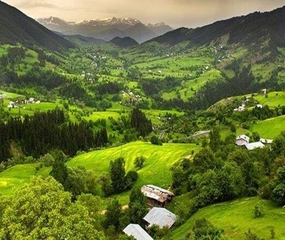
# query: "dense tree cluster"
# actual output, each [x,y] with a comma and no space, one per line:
[139,121]
[224,172]
[45,131]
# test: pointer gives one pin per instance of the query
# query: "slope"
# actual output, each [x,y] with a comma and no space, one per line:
[16,27]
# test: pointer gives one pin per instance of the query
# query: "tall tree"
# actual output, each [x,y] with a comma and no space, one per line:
[59,170]
[113,214]
[117,174]
[138,207]
[215,139]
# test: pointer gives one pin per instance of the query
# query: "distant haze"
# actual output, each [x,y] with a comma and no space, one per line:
[176,13]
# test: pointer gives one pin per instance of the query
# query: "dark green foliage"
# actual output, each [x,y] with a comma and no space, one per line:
[155,140]
[45,131]
[113,214]
[130,179]
[138,206]
[215,139]
[109,88]
[59,170]
[139,162]
[117,174]
[278,186]
[139,121]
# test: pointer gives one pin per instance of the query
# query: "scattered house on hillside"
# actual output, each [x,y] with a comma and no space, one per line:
[160,217]
[254,145]
[137,232]
[240,108]
[259,105]
[11,105]
[156,196]
[242,140]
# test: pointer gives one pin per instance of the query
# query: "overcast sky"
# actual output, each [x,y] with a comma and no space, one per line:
[176,13]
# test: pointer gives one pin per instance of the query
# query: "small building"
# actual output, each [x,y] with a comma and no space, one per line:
[265,141]
[156,196]
[254,145]
[242,140]
[160,217]
[137,232]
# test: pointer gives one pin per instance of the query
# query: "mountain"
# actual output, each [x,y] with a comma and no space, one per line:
[253,29]
[79,39]
[159,28]
[124,42]
[107,29]
[16,27]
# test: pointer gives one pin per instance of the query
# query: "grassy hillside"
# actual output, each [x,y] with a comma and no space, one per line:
[156,169]
[237,217]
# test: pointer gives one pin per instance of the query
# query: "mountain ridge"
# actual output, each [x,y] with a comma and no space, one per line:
[246,29]
[16,27]
[107,29]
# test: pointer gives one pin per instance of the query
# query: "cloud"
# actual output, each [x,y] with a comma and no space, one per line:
[35,4]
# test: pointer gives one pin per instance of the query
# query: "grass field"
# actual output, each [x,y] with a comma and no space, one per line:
[15,177]
[236,217]
[156,169]
[273,99]
[269,128]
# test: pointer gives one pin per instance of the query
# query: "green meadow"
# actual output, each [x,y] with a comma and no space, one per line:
[273,99]
[156,169]
[269,128]
[16,177]
[237,217]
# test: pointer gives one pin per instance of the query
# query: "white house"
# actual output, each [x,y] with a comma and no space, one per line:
[242,140]
[254,145]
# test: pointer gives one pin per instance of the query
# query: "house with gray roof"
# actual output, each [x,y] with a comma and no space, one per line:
[137,232]
[160,217]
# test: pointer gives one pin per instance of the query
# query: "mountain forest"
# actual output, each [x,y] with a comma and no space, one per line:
[86,123]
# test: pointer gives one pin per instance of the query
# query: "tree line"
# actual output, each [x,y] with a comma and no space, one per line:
[44,131]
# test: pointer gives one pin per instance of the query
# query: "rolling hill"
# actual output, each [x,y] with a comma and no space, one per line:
[16,27]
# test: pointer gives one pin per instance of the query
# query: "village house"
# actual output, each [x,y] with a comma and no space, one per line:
[254,145]
[160,217]
[137,232]
[242,140]
[156,196]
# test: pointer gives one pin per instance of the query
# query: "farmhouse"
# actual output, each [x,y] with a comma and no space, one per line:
[254,145]
[242,140]
[160,217]
[156,196]
[137,232]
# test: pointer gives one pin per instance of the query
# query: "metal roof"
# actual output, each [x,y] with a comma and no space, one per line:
[137,232]
[156,193]
[161,217]
[253,145]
